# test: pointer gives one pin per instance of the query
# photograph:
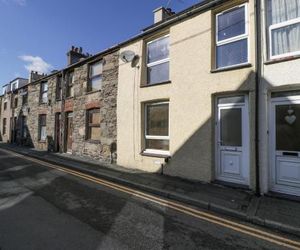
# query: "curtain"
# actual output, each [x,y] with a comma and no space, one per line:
[285,39]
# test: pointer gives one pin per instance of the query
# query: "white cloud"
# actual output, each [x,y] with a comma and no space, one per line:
[36,63]
[18,2]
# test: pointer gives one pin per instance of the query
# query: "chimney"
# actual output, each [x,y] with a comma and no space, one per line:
[75,55]
[161,14]
[34,75]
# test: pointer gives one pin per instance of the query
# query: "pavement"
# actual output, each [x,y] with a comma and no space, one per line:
[273,212]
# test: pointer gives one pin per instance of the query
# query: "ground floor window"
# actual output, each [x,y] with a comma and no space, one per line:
[157,127]
[93,124]
[42,128]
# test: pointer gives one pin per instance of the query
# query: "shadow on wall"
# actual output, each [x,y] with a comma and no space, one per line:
[195,159]
[20,132]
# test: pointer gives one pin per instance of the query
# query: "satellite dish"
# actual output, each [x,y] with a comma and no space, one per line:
[127,56]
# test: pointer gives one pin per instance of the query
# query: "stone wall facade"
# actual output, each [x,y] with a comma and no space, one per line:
[79,104]
[106,100]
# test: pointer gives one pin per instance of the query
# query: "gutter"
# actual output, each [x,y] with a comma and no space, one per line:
[258,74]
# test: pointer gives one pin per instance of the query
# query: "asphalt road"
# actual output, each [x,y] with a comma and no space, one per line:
[43,208]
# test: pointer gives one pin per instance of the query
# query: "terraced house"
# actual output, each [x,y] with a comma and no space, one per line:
[192,95]
[208,94]
[72,110]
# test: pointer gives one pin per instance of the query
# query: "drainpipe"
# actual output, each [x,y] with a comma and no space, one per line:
[62,112]
[258,74]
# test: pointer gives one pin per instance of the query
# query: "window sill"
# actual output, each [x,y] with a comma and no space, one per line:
[70,97]
[156,155]
[92,92]
[235,67]
[283,59]
[42,141]
[155,84]
[93,141]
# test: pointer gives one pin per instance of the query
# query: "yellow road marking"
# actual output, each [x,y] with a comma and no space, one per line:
[276,239]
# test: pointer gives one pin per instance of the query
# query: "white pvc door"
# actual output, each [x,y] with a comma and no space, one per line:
[285,145]
[232,140]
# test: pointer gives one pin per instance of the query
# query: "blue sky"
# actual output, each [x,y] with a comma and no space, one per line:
[36,34]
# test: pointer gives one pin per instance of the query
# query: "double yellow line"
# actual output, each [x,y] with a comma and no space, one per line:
[257,233]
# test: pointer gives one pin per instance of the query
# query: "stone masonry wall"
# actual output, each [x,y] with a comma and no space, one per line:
[106,100]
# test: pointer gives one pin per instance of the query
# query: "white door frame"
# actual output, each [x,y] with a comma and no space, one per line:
[273,186]
[245,149]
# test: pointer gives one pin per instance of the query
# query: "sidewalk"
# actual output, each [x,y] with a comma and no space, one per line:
[279,214]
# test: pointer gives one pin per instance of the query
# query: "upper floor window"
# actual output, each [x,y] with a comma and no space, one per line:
[70,84]
[283,18]
[157,128]
[59,87]
[232,37]
[5,106]
[95,76]
[16,102]
[158,60]
[44,92]
[93,124]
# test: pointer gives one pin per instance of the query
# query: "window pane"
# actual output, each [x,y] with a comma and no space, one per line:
[158,50]
[45,86]
[96,83]
[157,144]
[96,69]
[231,99]
[231,127]
[95,117]
[232,53]
[282,10]
[158,73]
[158,120]
[286,39]
[45,97]
[43,134]
[288,127]
[43,120]
[95,133]
[231,23]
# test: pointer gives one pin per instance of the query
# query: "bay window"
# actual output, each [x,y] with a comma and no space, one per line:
[283,20]
[158,60]
[157,128]
[232,37]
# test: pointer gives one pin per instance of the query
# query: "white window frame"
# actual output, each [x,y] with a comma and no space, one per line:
[153,137]
[233,39]
[277,26]
[159,61]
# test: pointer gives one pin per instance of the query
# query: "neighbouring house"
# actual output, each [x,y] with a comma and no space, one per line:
[9,109]
[279,97]
[187,108]
[74,110]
